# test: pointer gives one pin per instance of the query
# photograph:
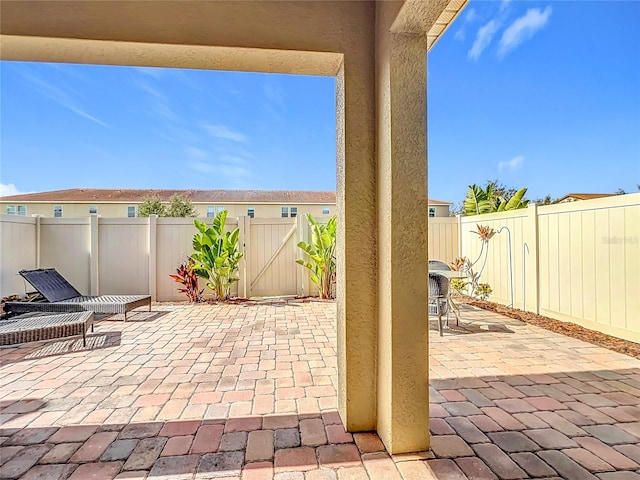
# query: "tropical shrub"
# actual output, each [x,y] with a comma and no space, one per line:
[483,290]
[217,255]
[186,275]
[458,285]
[321,260]
[488,200]
[463,264]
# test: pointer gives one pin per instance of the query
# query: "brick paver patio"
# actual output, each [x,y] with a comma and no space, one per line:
[248,392]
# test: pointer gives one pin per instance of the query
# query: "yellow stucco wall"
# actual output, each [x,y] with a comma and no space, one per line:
[380,385]
[119,210]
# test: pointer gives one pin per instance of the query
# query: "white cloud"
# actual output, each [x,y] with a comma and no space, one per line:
[460,35]
[59,96]
[7,189]
[229,175]
[203,167]
[522,29]
[154,72]
[511,165]
[195,152]
[145,87]
[220,131]
[471,15]
[483,39]
[275,95]
[504,4]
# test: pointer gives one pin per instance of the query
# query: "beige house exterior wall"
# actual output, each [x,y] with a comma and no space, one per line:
[377,51]
[439,211]
[120,209]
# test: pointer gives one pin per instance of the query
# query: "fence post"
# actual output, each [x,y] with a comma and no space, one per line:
[153,258]
[94,277]
[459,219]
[38,239]
[244,223]
[533,267]
[301,288]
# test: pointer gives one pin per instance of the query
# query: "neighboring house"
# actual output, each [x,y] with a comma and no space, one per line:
[81,202]
[573,197]
[438,208]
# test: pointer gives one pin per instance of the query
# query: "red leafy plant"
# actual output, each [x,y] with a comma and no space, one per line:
[186,275]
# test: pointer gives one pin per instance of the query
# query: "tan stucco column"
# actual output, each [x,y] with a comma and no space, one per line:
[402,361]
[357,259]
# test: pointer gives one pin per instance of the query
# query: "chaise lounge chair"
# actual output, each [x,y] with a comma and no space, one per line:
[60,296]
[35,327]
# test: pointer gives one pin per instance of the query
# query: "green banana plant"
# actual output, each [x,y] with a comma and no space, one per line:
[217,255]
[478,200]
[484,200]
[515,202]
[321,260]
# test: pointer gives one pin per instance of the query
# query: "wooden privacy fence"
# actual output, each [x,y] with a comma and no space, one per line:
[136,255]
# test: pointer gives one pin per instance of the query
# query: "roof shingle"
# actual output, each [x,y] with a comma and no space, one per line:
[75,195]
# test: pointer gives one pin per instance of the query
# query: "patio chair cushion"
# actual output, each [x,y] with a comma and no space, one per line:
[50,284]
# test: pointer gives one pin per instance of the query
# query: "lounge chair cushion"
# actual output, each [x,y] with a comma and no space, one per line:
[50,284]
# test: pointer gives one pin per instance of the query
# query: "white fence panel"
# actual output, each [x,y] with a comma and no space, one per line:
[590,263]
[174,244]
[17,252]
[123,253]
[65,244]
[443,239]
[506,252]
[582,261]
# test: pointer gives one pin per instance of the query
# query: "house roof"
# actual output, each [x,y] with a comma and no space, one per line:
[104,195]
[197,196]
[433,201]
[585,196]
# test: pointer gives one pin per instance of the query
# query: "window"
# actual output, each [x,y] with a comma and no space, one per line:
[57,211]
[432,211]
[285,212]
[294,212]
[22,210]
[93,209]
[131,211]
[11,209]
[325,211]
[211,212]
[219,209]
[251,211]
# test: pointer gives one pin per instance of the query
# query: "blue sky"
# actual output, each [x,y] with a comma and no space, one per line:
[544,95]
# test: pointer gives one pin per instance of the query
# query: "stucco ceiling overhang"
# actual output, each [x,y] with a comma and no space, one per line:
[298,37]
[430,17]
[106,52]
